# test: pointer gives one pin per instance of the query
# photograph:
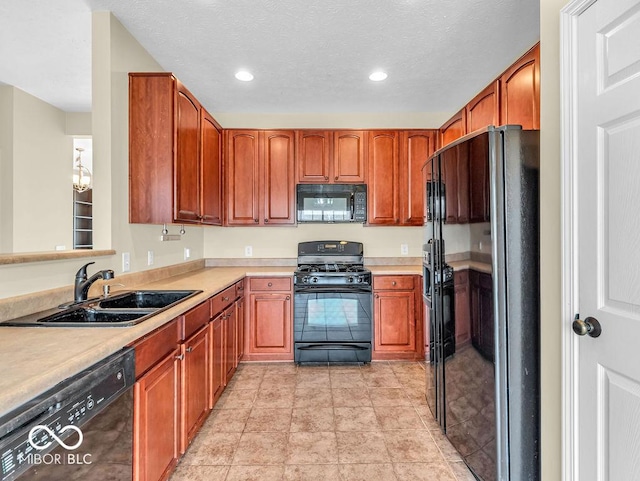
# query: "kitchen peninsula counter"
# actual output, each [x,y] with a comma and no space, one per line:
[34,359]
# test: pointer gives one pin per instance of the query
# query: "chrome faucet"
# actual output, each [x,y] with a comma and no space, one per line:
[82,284]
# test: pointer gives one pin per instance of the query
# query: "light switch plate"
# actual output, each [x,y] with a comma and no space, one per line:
[248,251]
[187,253]
[149,258]
[126,262]
[404,249]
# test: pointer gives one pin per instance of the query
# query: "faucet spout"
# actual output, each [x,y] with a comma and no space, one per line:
[82,283]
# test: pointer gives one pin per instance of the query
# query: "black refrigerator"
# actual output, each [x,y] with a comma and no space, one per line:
[483,382]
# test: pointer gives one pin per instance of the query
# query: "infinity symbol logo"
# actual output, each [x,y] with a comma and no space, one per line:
[40,447]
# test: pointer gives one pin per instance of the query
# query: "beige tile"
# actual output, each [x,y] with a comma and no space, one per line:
[398,417]
[212,449]
[362,447]
[411,447]
[269,419]
[279,379]
[313,379]
[346,368]
[275,397]
[261,448]
[367,472]
[314,419]
[312,448]
[461,472]
[247,379]
[255,473]
[382,396]
[236,399]
[226,420]
[199,473]
[355,419]
[311,472]
[281,367]
[381,379]
[445,446]
[312,397]
[351,380]
[423,471]
[344,397]
[377,366]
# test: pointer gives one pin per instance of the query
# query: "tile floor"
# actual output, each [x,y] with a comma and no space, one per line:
[286,422]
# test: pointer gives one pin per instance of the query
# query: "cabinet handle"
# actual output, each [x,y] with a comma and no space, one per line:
[377,296]
[288,298]
[393,283]
[336,178]
[266,220]
[241,288]
[270,284]
[225,299]
[180,357]
[255,220]
[326,177]
[189,349]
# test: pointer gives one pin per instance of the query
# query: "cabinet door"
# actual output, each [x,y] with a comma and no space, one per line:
[394,321]
[187,171]
[520,91]
[211,170]
[242,176]
[415,148]
[314,153]
[195,384]
[270,323]
[482,321]
[230,340]
[279,177]
[484,108]
[479,180]
[349,157]
[450,180]
[453,129]
[156,421]
[218,371]
[462,300]
[383,178]
[239,330]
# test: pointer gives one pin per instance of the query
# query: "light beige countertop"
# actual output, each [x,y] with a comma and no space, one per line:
[397,270]
[473,265]
[34,359]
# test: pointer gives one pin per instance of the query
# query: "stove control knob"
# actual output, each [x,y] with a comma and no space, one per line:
[314,279]
[350,280]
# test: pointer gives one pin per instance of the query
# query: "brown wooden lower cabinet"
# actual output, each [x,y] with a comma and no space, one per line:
[397,319]
[270,319]
[482,321]
[156,420]
[195,384]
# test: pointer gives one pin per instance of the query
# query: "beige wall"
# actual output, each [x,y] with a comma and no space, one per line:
[38,160]
[550,244]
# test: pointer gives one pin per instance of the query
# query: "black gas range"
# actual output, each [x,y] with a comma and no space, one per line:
[332,303]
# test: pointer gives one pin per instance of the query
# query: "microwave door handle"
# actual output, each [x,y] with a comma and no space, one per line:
[352,204]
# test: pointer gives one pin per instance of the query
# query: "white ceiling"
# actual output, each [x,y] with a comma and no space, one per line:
[306,56]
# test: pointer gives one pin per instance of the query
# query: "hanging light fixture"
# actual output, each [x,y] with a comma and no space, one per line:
[81,175]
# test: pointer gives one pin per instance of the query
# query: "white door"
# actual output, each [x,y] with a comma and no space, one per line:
[602,145]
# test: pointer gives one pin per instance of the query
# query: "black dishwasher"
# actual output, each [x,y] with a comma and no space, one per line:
[79,429]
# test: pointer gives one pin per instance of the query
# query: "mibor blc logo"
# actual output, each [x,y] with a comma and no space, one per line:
[42,442]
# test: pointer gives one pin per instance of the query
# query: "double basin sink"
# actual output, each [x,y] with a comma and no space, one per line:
[126,309]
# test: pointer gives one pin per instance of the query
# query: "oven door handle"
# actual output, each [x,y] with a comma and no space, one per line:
[332,346]
[331,290]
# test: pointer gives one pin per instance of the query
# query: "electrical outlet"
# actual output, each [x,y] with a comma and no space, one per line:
[149,258]
[404,249]
[187,253]
[61,248]
[126,262]
[248,251]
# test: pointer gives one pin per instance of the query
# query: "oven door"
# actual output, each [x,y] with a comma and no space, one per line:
[333,324]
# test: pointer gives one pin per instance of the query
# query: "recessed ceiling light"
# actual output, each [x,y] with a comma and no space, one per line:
[378,76]
[244,76]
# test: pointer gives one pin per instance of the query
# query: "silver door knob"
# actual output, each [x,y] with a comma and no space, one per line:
[589,326]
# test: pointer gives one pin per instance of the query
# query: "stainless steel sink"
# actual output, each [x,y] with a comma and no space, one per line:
[145,299]
[120,310]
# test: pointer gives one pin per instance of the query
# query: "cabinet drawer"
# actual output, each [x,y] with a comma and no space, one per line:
[195,319]
[239,286]
[222,300]
[270,284]
[460,277]
[155,346]
[393,282]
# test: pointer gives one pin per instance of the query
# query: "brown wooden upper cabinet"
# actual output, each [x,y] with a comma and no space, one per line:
[260,180]
[165,184]
[416,147]
[454,128]
[383,178]
[520,91]
[327,156]
[484,109]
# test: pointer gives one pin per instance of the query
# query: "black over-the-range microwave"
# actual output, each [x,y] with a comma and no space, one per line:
[331,203]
